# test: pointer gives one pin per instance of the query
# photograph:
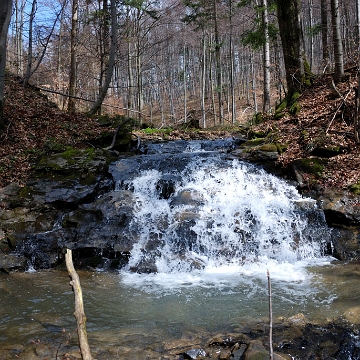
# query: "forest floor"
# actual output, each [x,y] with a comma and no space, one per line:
[35,126]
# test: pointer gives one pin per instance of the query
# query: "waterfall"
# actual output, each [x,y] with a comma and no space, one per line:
[200,212]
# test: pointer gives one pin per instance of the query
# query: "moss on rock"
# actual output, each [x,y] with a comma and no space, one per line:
[355,189]
[72,164]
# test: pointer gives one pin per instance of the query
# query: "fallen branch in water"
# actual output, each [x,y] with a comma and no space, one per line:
[79,307]
[270,318]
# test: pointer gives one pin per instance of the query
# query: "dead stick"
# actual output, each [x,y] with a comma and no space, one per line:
[79,307]
[270,318]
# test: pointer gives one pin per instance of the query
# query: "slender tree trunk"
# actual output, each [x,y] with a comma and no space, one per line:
[212,82]
[130,101]
[5,16]
[111,64]
[185,82]
[60,82]
[324,34]
[253,83]
[30,46]
[232,66]
[19,25]
[203,82]
[338,46]
[72,83]
[219,85]
[266,59]
[357,113]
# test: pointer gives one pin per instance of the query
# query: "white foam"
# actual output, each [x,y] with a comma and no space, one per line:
[246,222]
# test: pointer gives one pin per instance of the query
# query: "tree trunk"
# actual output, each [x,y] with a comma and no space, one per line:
[253,82]
[266,59]
[324,34]
[203,82]
[311,38]
[72,83]
[292,42]
[79,307]
[30,46]
[219,85]
[338,47]
[232,65]
[185,81]
[19,26]
[5,15]
[111,64]
[357,112]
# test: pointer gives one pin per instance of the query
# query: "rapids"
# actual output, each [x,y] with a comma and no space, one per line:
[199,212]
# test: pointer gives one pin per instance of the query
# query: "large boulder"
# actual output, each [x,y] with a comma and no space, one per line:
[31,216]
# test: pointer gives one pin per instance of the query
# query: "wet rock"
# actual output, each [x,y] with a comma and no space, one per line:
[256,351]
[12,262]
[188,197]
[194,354]
[353,315]
[229,340]
[297,320]
[345,243]
[225,354]
[181,346]
[147,265]
[166,187]
[263,152]
[341,208]
[238,353]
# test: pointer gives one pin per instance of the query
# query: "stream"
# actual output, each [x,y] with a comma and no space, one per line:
[206,229]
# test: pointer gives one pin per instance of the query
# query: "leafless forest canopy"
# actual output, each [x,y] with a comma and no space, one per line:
[173,60]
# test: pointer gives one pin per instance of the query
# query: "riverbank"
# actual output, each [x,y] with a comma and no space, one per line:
[323,129]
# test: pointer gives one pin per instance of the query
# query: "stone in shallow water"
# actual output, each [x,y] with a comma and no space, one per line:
[12,262]
[195,354]
[353,315]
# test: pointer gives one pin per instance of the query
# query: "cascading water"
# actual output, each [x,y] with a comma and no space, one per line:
[206,213]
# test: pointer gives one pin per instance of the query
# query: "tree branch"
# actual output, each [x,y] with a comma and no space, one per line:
[79,307]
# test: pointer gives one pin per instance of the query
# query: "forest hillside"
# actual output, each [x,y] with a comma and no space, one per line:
[322,128]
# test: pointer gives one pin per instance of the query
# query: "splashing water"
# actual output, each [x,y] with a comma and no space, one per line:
[213,218]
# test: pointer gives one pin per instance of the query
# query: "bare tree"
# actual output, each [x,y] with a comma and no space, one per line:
[357,113]
[111,63]
[338,47]
[266,60]
[5,15]
[324,34]
[19,9]
[72,83]
[30,47]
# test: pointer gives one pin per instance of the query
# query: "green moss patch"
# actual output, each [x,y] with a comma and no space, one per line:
[312,166]
[355,189]
[83,164]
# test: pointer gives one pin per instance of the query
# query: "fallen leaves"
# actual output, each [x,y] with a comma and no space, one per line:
[324,121]
[36,126]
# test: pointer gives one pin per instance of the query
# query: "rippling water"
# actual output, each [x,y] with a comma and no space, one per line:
[122,313]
